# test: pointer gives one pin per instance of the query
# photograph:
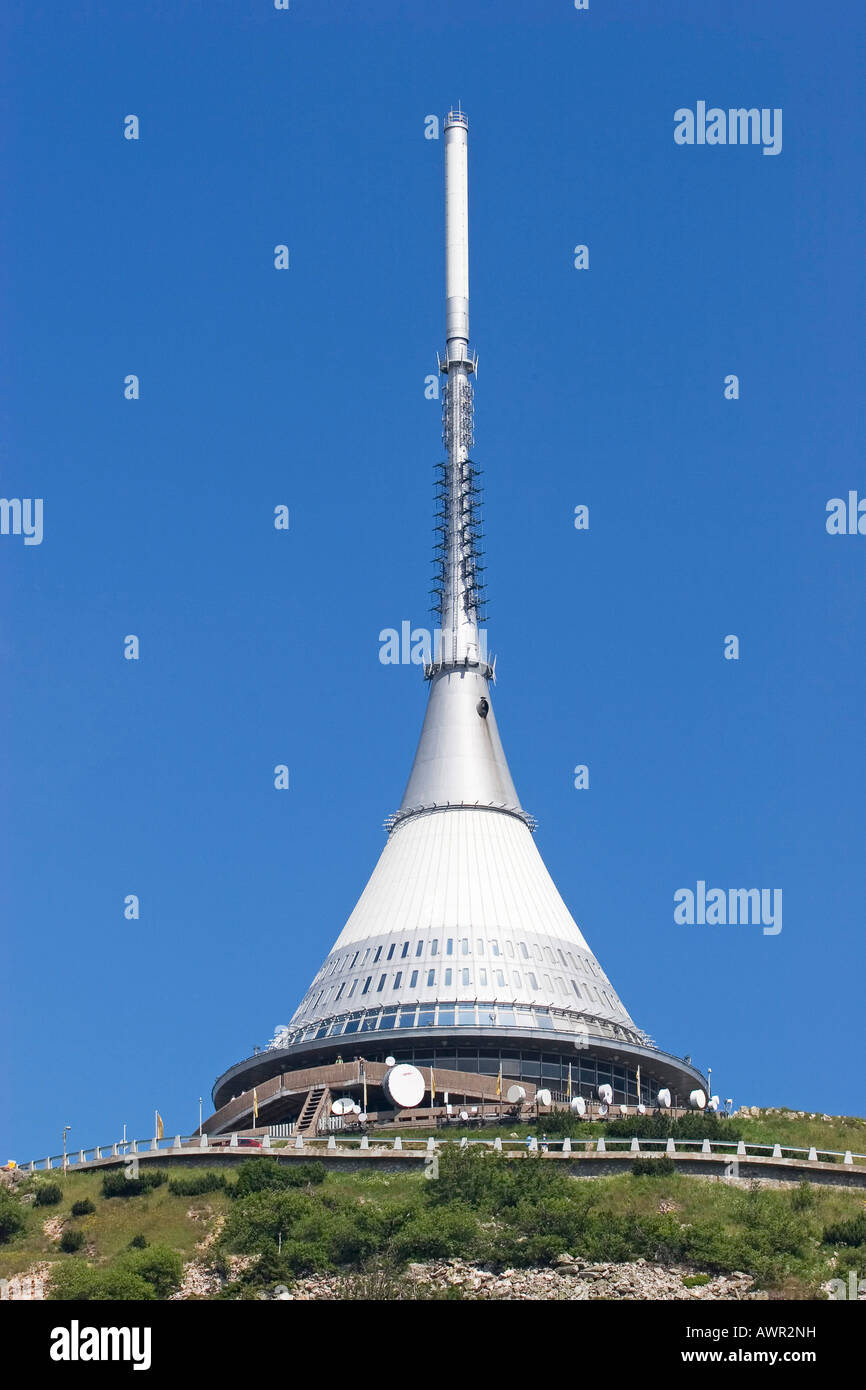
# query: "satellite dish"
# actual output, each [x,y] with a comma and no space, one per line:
[515,1094]
[603,1108]
[362,1116]
[578,1105]
[344,1105]
[697,1100]
[605,1094]
[543,1097]
[389,1062]
[713,1103]
[404,1086]
[641,1110]
[664,1100]
[356,1109]
[623,1109]
[464,1114]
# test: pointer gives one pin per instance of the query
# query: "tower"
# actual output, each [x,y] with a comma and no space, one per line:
[460,955]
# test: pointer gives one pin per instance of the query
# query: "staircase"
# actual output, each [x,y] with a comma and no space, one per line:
[314,1106]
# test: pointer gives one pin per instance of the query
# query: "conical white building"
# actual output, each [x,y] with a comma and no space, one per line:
[460,955]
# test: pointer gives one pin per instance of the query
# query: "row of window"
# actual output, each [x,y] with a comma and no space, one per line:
[426,979]
[442,1016]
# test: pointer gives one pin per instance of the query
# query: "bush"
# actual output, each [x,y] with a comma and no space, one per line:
[11,1217]
[117,1184]
[75,1282]
[83,1208]
[695,1281]
[197,1183]
[157,1265]
[268,1174]
[139,1242]
[71,1240]
[803,1197]
[48,1194]
[851,1232]
[661,1167]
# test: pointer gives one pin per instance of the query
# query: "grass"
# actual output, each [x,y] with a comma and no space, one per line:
[364,1226]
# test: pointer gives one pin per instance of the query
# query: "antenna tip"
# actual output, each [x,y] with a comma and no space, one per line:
[456,116]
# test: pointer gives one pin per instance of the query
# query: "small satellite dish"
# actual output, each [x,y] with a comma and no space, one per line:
[697,1100]
[713,1103]
[641,1110]
[623,1109]
[578,1105]
[362,1116]
[464,1114]
[343,1105]
[664,1100]
[603,1108]
[356,1109]
[404,1086]
[605,1094]
[390,1062]
[543,1097]
[515,1094]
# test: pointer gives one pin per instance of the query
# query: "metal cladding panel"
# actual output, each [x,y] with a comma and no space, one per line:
[462,891]
[459,756]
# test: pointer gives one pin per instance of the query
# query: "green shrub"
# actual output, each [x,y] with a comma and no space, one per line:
[83,1208]
[661,1167]
[75,1282]
[437,1234]
[71,1240]
[261,1174]
[197,1184]
[851,1232]
[116,1184]
[139,1242]
[11,1217]
[803,1197]
[695,1281]
[157,1265]
[48,1194]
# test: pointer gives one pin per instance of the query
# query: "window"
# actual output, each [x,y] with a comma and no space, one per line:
[482,978]
[431,978]
[366,984]
[434,946]
[571,958]
[509,948]
[549,954]
[465,979]
[560,984]
[447,977]
[547,984]
[391,950]
[397,978]
[339,991]
[419,948]
[405,951]
[523,950]
[561,956]
[413,979]
[575,988]
[378,954]
[381,985]
[352,988]
[354,958]
[480,945]
[515,975]
[449,946]
[536,951]
[464,945]
[366,955]
[494,948]
[500,978]
[533,983]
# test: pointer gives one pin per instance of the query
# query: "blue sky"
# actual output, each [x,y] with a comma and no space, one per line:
[306,387]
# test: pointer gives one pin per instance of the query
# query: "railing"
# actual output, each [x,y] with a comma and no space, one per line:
[683,1147]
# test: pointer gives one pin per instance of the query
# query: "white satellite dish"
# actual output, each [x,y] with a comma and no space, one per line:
[697,1100]
[543,1097]
[390,1062]
[515,1094]
[605,1094]
[356,1109]
[623,1109]
[343,1105]
[404,1086]
[603,1108]
[664,1100]
[362,1115]
[641,1110]
[464,1114]
[578,1105]
[713,1103]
